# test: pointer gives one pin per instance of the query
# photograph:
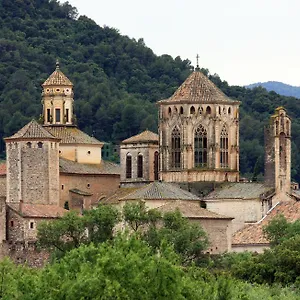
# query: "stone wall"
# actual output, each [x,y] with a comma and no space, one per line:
[98,185]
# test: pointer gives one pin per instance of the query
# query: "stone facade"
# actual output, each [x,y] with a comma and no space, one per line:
[278,152]
[139,159]
[199,133]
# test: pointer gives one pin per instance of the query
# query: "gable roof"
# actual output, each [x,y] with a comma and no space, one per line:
[253,233]
[71,135]
[160,190]
[239,190]
[38,210]
[72,167]
[197,88]
[32,130]
[57,78]
[191,209]
[143,137]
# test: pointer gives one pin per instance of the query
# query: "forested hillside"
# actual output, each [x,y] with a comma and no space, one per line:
[117,80]
[278,87]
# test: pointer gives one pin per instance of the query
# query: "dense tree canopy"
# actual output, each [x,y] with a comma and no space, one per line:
[117,79]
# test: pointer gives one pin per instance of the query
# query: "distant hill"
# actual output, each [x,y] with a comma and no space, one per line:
[278,87]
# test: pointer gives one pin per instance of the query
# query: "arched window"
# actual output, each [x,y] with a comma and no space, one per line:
[156,164]
[200,147]
[176,149]
[224,148]
[229,110]
[28,145]
[181,110]
[128,166]
[192,110]
[208,110]
[169,110]
[140,166]
[40,145]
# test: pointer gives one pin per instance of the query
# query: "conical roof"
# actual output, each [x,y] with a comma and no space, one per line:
[199,89]
[143,137]
[32,130]
[57,78]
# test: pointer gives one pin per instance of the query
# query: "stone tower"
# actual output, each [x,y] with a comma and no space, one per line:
[199,133]
[139,159]
[278,152]
[57,99]
[32,166]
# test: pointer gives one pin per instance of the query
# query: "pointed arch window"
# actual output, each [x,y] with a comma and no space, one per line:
[156,164]
[224,148]
[128,166]
[200,147]
[176,149]
[140,166]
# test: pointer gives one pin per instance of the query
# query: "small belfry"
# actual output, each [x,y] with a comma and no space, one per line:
[57,99]
[199,133]
[278,152]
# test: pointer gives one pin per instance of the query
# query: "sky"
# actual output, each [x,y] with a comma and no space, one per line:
[243,41]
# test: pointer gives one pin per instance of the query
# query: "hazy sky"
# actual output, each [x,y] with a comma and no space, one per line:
[244,41]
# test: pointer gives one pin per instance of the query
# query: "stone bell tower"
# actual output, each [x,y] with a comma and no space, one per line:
[57,99]
[278,152]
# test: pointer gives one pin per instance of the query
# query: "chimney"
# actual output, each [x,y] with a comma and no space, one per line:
[21,206]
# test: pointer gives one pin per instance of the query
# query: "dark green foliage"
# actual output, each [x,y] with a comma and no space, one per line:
[117,79]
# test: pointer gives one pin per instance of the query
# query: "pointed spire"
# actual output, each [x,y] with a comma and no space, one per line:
[197,67]
[57,65]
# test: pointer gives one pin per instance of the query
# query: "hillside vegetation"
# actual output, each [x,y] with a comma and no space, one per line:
[117,79]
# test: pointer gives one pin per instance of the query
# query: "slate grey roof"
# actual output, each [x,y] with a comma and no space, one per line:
[32,130]
[72,167]
[161,190]
[198,88]
[145,136]
[191,209]
[71,135]
[239,190]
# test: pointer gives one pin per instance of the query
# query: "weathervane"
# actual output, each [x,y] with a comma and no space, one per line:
[197,67]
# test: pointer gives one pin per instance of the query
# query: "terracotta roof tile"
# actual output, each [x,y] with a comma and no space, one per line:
[38,210]
[145,136]
[198,88]
[57,78]
[239,190]
[71,135]
[253,233]
[72,167]
[161,190]
[191,209]
[32,130]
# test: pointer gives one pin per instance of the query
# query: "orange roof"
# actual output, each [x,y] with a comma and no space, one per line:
[38,210]
[143,137]
[253,234]
[57,78]
[198,88]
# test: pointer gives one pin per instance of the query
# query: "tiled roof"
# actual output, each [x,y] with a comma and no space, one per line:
[3,168]
[32,130]
[71,135]
[72,167]
[145,136]
[161,190]
[198,88]
[253,234]
[191,209]
[57,78]
[239,190]
[38,210]
[80,192]
[119,194]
